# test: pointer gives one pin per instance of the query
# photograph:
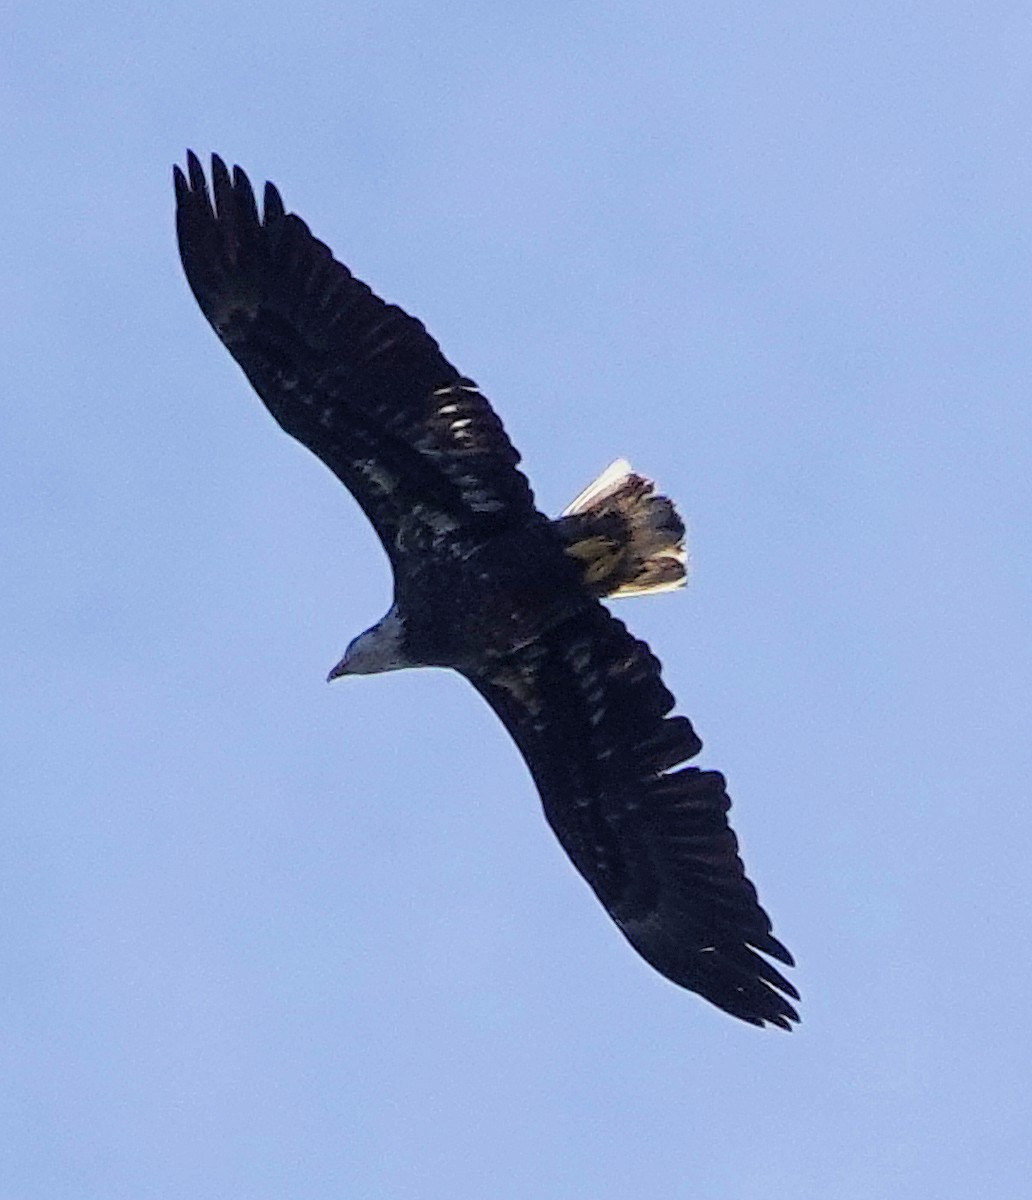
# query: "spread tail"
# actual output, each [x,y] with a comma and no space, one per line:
[627,539]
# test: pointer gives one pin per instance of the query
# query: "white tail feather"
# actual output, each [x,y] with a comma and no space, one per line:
[607,483]
[629,540]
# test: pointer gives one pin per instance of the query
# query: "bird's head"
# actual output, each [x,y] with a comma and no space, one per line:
[378,649]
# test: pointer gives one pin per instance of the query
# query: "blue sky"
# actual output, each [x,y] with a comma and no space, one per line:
[268,938]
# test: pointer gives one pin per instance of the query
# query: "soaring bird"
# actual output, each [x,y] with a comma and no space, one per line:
[486,584]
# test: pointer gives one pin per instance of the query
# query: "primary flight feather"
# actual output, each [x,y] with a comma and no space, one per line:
[486,584]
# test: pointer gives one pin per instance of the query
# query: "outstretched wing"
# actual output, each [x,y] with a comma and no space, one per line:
[357,381]
[588,710]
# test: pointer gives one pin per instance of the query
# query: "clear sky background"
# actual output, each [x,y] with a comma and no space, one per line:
[262,937]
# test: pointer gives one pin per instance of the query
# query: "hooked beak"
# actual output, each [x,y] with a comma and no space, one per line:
[340,669]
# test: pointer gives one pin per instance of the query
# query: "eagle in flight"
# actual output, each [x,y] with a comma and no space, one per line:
[486,584]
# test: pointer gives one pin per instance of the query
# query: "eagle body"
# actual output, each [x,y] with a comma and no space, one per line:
[472,606]
[486,584]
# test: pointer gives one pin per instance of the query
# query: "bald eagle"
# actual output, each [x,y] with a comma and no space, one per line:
[489,586]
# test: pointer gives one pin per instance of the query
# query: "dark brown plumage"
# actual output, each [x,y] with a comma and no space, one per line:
[488,585]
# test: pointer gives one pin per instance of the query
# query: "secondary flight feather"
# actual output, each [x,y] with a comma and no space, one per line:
[486,584]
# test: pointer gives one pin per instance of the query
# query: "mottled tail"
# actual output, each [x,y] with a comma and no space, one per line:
[627,539]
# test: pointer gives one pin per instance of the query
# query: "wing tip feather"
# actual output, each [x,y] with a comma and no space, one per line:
[273,203]
[180,184]
[231,189]
[198,182]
